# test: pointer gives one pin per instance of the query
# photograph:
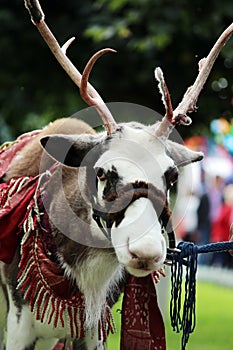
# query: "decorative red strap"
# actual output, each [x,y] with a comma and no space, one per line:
[142,323]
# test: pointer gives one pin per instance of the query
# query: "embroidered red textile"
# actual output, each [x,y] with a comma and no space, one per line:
[15,198]
[9,152]
[142,325]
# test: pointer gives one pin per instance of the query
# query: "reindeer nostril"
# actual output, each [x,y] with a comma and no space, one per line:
[145,254]
[142,264]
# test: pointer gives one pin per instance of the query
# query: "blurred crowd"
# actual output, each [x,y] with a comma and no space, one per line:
[203,212]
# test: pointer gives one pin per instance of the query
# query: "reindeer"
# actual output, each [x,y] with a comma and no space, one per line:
[105,197]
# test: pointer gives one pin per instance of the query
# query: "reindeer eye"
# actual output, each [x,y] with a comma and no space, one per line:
[171,176]
[100,174]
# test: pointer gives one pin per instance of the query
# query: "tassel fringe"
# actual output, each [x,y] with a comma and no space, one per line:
[47,305]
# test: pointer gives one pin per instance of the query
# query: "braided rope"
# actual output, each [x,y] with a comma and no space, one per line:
[215,247]
[187,256]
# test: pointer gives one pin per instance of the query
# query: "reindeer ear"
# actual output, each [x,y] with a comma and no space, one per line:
[182,155]
[72,150]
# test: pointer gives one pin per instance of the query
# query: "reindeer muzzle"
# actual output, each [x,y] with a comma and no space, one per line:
[116,205]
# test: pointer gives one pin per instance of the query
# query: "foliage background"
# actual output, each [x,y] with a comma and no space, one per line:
[146,34]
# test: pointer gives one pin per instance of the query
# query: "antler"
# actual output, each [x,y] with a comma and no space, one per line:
[88,92]
[188,103]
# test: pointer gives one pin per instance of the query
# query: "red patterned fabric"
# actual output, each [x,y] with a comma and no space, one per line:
[142,325]
[10,151]
[15,198]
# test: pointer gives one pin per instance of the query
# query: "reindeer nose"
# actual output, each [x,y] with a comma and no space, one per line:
[144,251]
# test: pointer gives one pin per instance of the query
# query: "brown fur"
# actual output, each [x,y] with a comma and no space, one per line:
[28,161]
[77,227]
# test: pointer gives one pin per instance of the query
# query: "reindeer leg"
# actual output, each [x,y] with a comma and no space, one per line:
[21,334]
[20,331]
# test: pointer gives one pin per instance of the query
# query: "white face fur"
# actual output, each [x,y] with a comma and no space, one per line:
[136,155]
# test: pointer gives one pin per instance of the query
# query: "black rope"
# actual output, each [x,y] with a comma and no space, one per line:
[187,256]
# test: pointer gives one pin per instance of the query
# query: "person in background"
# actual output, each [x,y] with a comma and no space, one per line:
[221,227]
[215,194]
[188,205]
[204,227]
[210,202]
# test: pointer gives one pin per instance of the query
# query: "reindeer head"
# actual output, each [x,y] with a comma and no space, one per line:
[132,166]
[131,174]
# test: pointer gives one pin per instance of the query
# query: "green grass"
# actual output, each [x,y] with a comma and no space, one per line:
[214,329]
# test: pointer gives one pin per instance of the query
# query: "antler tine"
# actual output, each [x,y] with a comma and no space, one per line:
[103,111]
[37,17]
[67,44]
[165,93]
[166,122]
[188,103]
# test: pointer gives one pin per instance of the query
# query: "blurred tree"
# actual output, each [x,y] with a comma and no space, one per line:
[146,33]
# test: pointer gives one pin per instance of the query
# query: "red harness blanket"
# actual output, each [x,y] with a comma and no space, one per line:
[15,197]
[51,295]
